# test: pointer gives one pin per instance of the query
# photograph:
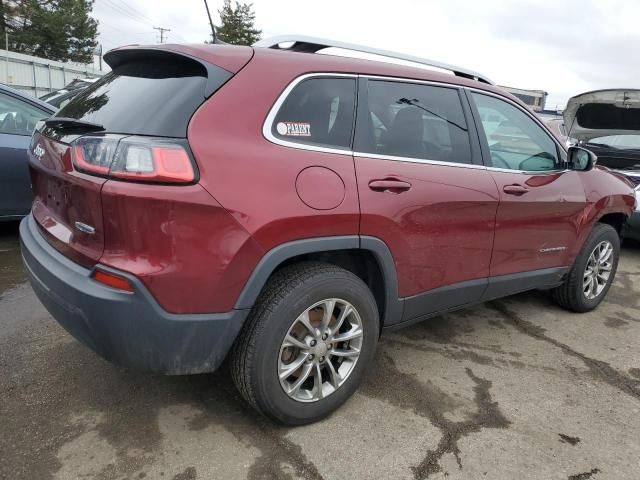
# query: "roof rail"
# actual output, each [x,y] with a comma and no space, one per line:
[305,44]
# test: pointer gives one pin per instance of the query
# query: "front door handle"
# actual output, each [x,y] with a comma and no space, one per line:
[515,189]
[392,185]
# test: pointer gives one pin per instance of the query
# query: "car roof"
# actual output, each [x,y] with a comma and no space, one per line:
[233,58]
[321,62]
[27,98]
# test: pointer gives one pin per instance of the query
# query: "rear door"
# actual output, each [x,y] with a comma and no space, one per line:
[424,192]
[541,202]
[17,121]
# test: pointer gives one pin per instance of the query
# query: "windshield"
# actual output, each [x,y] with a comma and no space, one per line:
[624,142]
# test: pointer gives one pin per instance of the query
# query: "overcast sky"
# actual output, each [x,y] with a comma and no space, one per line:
[562,46]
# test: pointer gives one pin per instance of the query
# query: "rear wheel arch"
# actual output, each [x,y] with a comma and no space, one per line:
[369,258]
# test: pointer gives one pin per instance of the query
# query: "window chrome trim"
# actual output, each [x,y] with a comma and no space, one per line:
[419,160]
[267,127]
[268,123]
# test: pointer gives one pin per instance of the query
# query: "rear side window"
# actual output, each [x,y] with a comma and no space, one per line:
[318,111]
[414,121]
[145,96]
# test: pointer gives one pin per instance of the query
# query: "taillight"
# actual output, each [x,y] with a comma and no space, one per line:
[142,159]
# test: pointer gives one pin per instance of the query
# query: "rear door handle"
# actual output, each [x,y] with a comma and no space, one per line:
[517,190]
[392,185]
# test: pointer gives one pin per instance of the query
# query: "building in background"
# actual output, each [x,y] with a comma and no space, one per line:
[37,76]
[536,99]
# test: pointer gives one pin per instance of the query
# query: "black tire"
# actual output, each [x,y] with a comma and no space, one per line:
[254,359]
[570,294]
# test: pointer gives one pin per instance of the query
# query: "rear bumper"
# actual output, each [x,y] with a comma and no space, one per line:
[632,227]
[129,329]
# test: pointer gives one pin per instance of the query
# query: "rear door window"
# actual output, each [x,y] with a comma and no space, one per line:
[153,96]
[318,111]
[414,121]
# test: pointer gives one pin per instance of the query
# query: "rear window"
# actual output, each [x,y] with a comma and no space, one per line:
[145,97]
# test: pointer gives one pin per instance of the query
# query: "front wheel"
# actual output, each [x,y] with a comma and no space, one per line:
[593,271]
[307,343]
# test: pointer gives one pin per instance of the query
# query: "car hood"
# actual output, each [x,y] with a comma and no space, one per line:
[603,112]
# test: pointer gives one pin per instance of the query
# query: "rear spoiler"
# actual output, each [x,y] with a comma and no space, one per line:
[216,75]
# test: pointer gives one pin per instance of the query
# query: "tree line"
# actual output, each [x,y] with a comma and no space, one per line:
[64,30]
[54,29]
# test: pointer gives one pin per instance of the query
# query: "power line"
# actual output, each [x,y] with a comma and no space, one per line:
[133,10]
[132,14]
[125,13]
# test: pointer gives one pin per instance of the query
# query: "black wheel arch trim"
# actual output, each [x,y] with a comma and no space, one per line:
[276,256]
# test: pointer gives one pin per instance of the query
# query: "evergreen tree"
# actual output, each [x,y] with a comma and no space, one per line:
[54,29]
[238,24]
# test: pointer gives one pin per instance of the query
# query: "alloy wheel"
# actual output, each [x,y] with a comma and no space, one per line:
[320,350]
[598,270]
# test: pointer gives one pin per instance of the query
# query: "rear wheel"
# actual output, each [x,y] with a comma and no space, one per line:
[593,271]
[307,343]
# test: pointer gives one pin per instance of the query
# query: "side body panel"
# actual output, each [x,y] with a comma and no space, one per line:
[440,232]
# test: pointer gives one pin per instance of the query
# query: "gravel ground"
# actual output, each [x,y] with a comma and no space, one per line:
[516,388]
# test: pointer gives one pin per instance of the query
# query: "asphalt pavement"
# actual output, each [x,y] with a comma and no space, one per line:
[513,389]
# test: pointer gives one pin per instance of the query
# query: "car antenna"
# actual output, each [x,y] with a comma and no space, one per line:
[213,29]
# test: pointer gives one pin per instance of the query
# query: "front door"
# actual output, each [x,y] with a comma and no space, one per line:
[541,202]
[424,192]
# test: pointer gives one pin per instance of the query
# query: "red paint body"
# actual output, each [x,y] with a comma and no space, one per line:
[194,247]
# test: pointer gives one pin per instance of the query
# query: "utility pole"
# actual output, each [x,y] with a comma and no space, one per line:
[213,30]
[162,30]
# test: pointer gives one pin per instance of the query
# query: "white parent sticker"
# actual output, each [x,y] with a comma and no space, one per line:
[294,129]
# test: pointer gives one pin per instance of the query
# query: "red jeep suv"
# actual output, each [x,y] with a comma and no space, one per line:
[285,207]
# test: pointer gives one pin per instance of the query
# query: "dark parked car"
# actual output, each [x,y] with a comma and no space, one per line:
[61,97]
[607,122]
[286,208]
[19,114]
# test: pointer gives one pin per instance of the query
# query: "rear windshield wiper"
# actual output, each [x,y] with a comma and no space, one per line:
[72,124]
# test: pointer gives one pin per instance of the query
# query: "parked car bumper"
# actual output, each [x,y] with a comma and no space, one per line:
[126,328]
[632,228]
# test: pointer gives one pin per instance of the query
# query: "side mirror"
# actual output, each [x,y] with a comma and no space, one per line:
[581,159]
